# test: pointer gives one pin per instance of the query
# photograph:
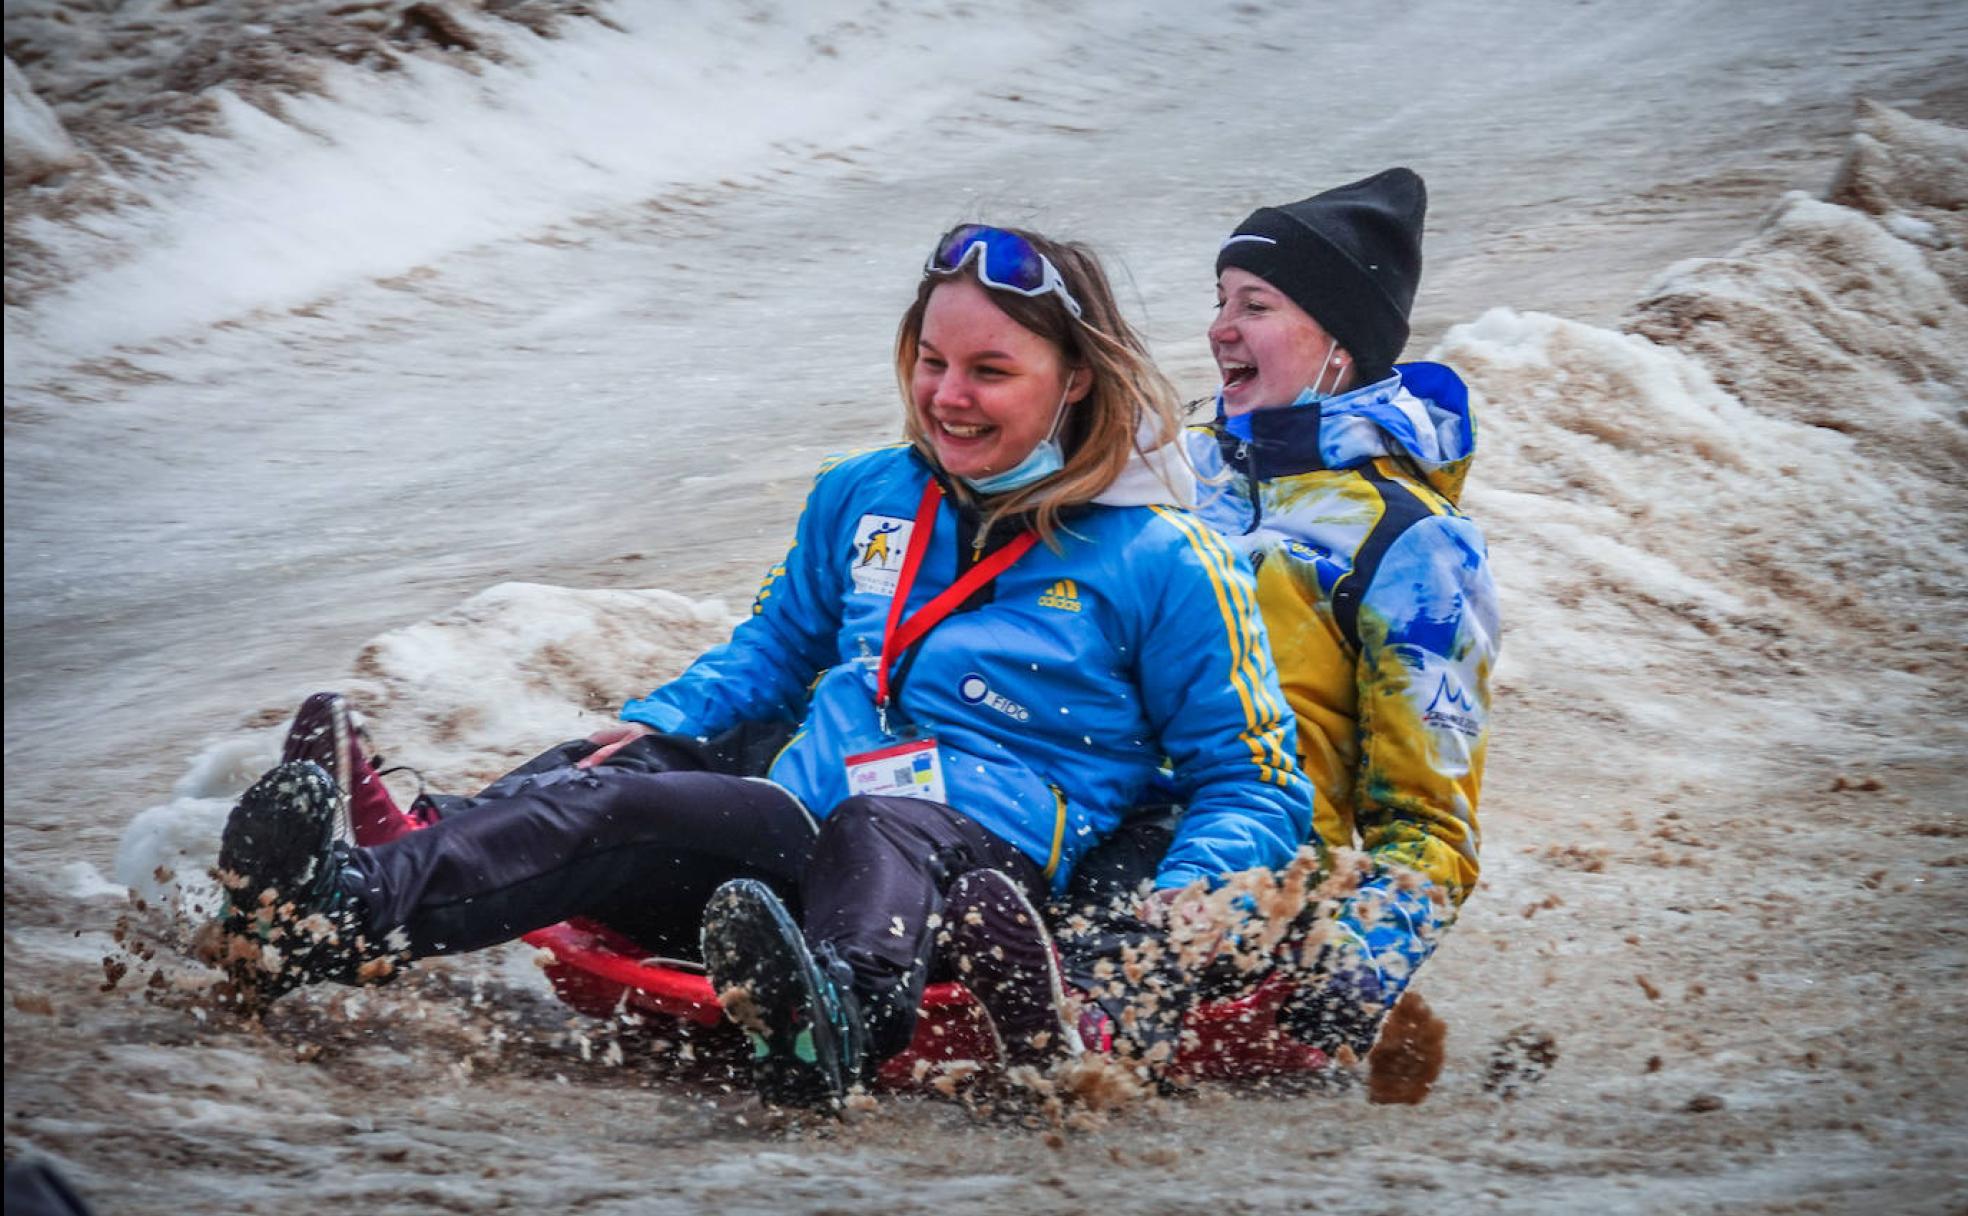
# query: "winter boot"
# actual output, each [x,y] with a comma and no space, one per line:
[808,1042]
[286,921]
[999,949]
[328,732]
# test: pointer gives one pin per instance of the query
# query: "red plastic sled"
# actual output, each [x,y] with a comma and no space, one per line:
[601,972]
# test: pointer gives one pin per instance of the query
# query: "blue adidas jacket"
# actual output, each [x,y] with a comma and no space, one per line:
[1055,694]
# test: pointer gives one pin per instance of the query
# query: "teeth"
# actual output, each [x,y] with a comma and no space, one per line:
[965,432]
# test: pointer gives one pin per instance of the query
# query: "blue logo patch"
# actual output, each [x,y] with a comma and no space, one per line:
[1325,567]
[1456,698]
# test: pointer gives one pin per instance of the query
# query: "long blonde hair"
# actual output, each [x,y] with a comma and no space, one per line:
[1130,402]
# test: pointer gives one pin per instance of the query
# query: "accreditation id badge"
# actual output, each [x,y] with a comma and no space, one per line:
[905,770]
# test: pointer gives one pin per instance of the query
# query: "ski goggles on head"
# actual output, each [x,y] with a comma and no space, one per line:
[1005,262]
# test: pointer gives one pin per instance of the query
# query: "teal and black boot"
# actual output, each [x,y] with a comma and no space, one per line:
[808,1042]
[286,921]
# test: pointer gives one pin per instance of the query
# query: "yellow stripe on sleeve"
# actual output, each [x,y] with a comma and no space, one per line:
[1245,676]
[1246,595]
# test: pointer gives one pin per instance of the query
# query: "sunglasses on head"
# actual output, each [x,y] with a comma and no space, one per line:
[1005,262]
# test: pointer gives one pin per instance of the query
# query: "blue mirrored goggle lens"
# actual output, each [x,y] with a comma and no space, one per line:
[1005,261]
[1008,260]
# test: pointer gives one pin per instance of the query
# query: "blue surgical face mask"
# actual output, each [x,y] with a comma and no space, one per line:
[1317,392]
[1039,463]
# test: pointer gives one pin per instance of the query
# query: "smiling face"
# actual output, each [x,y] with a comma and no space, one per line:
[1267,348]
[985,388]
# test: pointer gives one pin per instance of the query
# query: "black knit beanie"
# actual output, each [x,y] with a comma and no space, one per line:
[1351,257]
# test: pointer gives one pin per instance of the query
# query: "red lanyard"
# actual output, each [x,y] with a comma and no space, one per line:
[899,635]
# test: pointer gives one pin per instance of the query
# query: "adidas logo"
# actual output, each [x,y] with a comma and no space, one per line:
[1063,595]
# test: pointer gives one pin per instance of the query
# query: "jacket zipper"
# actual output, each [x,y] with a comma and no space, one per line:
[1241,458]
[1058,830]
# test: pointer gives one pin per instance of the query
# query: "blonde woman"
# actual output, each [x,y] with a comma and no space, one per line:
[991,637]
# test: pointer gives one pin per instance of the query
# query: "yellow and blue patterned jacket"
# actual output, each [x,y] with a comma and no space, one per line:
[1377,594]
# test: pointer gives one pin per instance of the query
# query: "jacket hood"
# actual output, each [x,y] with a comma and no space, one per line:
[1420,413]
[1153,476]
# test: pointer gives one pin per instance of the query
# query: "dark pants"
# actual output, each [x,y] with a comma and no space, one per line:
[746,750]
[1094,923]
[638,850]
[641,842]
[874,894]
[663,927]
[1118,870]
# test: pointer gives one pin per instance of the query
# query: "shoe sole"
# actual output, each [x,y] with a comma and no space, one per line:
[337,726]
[1004,998]
[764,977]
[270,859]
[276,836]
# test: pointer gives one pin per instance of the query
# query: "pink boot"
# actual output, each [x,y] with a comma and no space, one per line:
[325,732]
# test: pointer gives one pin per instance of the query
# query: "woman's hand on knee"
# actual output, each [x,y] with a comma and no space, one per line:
[612,739]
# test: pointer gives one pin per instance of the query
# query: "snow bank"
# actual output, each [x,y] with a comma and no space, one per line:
[36,145]
[1846,314]
[460,697]
[1761,477]
[520,667]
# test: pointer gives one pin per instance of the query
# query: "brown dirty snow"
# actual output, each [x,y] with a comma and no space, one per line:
[1407,1059]
[131,84]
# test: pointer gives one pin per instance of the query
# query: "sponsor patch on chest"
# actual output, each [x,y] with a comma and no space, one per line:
[976,690]
[880,541]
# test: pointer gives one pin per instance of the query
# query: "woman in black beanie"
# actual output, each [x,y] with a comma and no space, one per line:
[1338,474]
[1343,472]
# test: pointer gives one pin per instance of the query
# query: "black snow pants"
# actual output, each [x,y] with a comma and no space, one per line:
[641,842]
[874,892]
[746,750]
[638,850]
[666,928]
